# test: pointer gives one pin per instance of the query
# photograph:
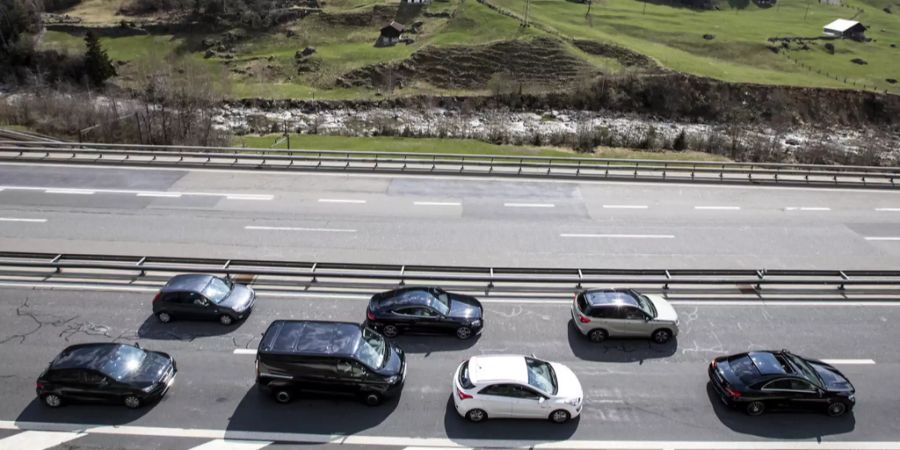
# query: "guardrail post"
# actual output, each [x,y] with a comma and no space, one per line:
[54,261]
[405,159]
[491,166]
[402,272]
[521,161]
[491,283]
[433,162]
[665,167]
[462,165]
[668,277]
[760,274]
[580,279]
[141,265]
[578,169]
[843,277]
[312,270]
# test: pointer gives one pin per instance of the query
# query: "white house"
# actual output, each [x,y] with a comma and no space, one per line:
[845,28]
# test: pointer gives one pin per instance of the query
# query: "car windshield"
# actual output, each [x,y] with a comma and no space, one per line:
[646,304]
[805,370]
[124,362]
[441,302]
[541,375]
[217,289]
[372,350]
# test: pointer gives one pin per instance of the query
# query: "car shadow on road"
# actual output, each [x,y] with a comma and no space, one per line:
[778,424]
[525,432]
[426,344]
[307,413]
[81,413]
[618,350]
[184,330]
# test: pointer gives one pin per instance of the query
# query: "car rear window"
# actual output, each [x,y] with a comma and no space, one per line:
[464,380]
[582,303]
[744,368]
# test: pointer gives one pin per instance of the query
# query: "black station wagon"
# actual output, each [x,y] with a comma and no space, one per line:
[425,310]
[203,297]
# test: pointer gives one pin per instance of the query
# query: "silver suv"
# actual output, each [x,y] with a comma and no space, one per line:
[604,313]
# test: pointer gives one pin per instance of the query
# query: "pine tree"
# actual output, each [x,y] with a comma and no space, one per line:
[97,64]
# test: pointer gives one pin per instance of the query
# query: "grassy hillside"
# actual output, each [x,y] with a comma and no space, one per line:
[263,64]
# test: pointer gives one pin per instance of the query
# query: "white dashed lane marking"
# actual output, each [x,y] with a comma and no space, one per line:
[245,351]
[21,219]
[807,208]
[849,361]
[340,200]
[617,236]
[69,191]
[883,238]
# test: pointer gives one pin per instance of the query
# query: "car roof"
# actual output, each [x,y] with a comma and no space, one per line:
[310,337]
[766,363]
[192,282]
[498,369]
[409,296]
[84,356]
[610,297]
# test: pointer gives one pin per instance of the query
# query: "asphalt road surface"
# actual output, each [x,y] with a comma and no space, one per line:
[634,390]
[441,220]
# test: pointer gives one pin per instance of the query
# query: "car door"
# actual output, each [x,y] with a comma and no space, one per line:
[637,322]
[352,377]
[528,403]
[68,383]
[316,374]
[806,395]
[201,308]
[98,387]
[614,321]
[779,393]
[428,320]
[497,400]
[405,318]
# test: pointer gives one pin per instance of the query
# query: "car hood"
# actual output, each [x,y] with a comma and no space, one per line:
[664,310]
[568,384]
[464,306]
[239,299]
[834,380]
[394,363]
[152,370]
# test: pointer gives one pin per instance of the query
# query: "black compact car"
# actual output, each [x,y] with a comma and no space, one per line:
[425,310]
[329,358]
[764,380]
[106,372]
[203,297]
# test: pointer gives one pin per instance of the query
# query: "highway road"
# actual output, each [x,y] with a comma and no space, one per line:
[635,391]
[443,220]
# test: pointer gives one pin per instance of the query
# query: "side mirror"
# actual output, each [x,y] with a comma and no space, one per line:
[541,400]
[137,344]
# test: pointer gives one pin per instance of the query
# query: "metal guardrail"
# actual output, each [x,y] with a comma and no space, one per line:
[495,281]
[450,164]
[16,135]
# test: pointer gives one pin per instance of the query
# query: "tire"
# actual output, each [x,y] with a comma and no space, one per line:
[464,333]
[52,400]
[390,331]
[755,408]
[132,402]
[372,398]
[283,396]
[661,336]
[164,317]
[837,409]
[559,416]
[226,320]
[597,336]
[476,415]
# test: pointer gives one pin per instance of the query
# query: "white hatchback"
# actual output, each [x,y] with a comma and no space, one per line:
[515,386]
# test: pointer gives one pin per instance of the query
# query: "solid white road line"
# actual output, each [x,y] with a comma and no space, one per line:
[529,205]
[883,238]
[69,191]
[21,219]
[340,200]
[437,203]
[245,351]
[717,208]
[849,361]
[807,208]
[37,440]
[160,194]
[232,444]
[617,236]
[625,206]
[887,209]
[435,443]
[322,230]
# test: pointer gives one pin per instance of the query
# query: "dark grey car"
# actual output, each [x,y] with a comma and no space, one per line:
[203,297]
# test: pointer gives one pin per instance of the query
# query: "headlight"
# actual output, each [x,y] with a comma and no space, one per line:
[852,398]
[476,323]
[394,379]
[149,388]
[574,401]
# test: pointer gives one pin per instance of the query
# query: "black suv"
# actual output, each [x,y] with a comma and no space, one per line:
[200,296]
[328,357]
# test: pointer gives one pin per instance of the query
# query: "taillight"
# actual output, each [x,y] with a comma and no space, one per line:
[583,319]
[158,295]
[462,395]
[713,364]
[370,315]
[39,385]
[732,393]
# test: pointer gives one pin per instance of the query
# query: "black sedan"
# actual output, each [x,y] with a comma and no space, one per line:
[108,373]
[425,310]
[764,380]
[203,297]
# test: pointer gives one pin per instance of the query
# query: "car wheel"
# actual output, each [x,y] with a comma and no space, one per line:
[132,402]
[597,335]
[476,415]
[755,408]
[559,416]
[53,400]
[390,331]
[164,317]
[463,333]
[225,319]
[836,409]
[661,336]
[372,399]
[283,396]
